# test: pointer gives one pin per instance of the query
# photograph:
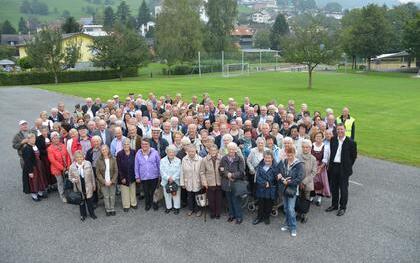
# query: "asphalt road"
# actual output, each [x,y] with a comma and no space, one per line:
[382,223]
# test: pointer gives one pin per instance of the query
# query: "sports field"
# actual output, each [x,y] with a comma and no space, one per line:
[386,106]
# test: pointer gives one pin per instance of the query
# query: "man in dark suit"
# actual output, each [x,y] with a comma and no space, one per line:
[90,108]
[343,155]
[104,133]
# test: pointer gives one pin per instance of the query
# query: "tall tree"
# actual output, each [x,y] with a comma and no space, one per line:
[123,13]
[120,50]
[45,51]
[333,7]
[144,15]
[222,15]
[262,39]
[411,38]
[279,30]
[109,17]
[347,37]
[23,27]
[7,28]
[398,17]
[178,30]
[311,46]
[371,34]
[70,25]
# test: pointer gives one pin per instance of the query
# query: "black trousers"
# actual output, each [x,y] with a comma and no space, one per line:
[95,197]
[192,204]
[86,202]
[339,187]
[265,205]
[149,187]
[214,194]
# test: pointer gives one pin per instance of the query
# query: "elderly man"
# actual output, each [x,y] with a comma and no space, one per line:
[348,122]
[20,139]
[118,141]
[158,143]
[104,133]
[331,124]
[135,139]
[54,115]
[175,124]
[262,118]
[167,134]
[60,107]
[89,108]
[343,155]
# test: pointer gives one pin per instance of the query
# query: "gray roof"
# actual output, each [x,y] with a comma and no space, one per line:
[6,62]
[17,39]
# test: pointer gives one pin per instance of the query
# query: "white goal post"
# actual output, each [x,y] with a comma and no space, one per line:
[236,69]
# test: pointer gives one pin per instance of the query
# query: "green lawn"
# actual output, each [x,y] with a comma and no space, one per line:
[386,106]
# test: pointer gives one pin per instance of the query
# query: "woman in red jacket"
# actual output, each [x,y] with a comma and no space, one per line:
[60,162]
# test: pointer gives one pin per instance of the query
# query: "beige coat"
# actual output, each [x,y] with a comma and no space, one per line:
[190,173]
[310,169]
[209,174]
[100,170]
[88,175]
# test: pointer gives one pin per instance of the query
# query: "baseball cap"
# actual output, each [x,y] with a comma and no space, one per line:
[22,122]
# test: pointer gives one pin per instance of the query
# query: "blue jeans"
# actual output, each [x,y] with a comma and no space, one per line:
[289,210]
[234,203]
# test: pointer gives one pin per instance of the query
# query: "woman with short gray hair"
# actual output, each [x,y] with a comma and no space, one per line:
[170,171]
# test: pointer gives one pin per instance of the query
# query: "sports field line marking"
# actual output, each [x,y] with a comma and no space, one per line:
[356,183]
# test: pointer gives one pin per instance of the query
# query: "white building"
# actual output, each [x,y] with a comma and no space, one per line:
[145,28]
[203,14]
[94,30]
[261,17]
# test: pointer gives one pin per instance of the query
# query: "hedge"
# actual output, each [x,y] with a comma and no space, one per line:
[186,69]
[30,78]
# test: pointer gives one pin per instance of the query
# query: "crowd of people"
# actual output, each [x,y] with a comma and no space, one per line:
[142,148]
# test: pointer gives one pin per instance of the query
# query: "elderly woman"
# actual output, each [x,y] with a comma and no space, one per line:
[211,180]
[232,168]
[190,178]
[107,173]
[126,176]
[81,174]
[291,173]
[226,139]
[287,143]
[60,162]
[33,177]
[170,172]
[275,132]
[321,152]
[43,142]
[272,146]
[310,169]
[147,169]
[256,155]
[72,144]
[266,187]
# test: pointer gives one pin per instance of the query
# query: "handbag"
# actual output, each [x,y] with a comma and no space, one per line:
[201,200]
[74,198]
[158,194]
[171,188]
[240,188]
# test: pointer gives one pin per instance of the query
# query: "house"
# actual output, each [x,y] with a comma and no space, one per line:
[242,36]
[261,17]
[14,39]
[393,61]
[146,27]
[81,39]
[86,21]
[94,30]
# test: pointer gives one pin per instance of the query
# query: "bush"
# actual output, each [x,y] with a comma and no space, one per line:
[30,78]
[186,69]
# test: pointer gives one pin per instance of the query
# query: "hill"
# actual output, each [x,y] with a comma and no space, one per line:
[10,9]
[348,4]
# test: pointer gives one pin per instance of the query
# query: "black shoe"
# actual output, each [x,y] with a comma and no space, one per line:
[217,217]
[93,216]
[126,209]
[147,207]
[167,211]
[36,199]
[176,211]
[267,221]
[256,221]
[212,216]
[155,206]
[43,196]
[238,221]
[113,213]
[331,208]
[230,219]
[82,218]
[341,212]
[134,207]
[108,213]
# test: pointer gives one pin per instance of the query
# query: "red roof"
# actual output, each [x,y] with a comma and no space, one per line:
[242,31]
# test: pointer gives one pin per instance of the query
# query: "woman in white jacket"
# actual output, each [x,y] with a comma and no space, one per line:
[170,172]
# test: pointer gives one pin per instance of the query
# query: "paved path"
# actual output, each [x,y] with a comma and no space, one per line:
[382,223]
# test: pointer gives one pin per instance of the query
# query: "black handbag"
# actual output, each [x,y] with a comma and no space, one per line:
[240,188]
[74,198]
[171,187]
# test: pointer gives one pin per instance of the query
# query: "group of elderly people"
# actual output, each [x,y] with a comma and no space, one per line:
[143,148]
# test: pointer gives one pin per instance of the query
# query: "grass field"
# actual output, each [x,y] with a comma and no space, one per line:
[386,106]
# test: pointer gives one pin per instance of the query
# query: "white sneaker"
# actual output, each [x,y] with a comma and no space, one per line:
[64,199]
[293,233]
[284,228]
